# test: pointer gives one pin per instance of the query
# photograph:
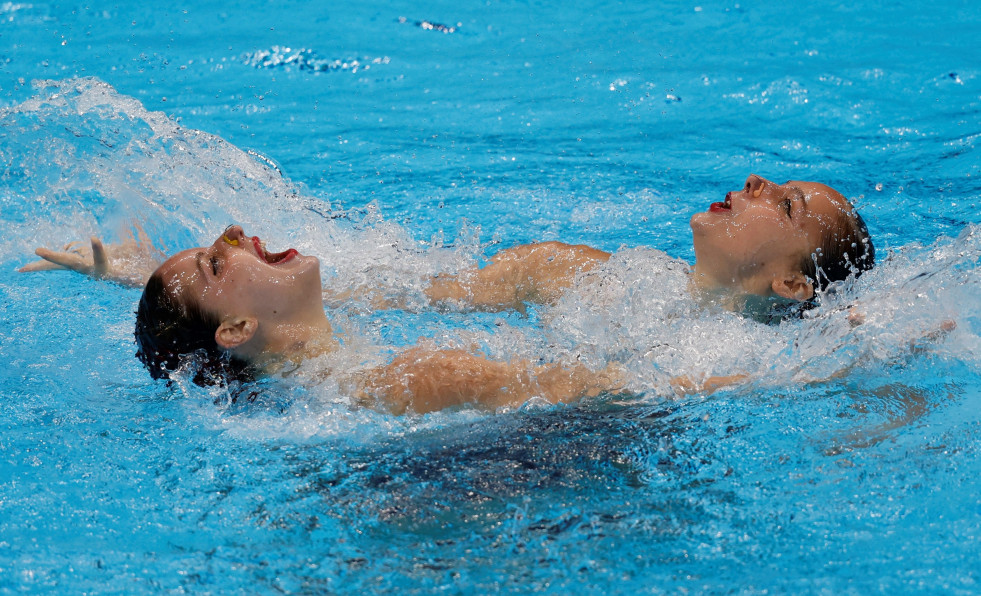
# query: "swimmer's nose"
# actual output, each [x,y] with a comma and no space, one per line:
[233,235]
[755,185]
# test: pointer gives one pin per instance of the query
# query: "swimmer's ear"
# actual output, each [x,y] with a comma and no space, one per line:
[235,332]
[793,286]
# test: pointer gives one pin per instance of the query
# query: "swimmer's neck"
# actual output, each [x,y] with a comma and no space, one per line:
[294,343]
[736,297]
[716,296]
[769,309]
[703,280]
[706,290]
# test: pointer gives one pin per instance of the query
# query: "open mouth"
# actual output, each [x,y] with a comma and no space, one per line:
[723,206]
[273,258]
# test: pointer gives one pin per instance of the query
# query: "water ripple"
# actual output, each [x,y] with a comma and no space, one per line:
[305,59]
[431,26]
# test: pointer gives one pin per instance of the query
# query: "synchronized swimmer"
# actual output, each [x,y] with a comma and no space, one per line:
[234,311]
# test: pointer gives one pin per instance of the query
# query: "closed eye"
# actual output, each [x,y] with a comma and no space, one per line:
[786,206]
[215,265]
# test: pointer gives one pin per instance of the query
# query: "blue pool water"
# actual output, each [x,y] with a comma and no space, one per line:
[395,150]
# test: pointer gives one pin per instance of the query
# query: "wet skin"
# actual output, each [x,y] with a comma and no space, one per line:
[754,241]
[270,306]
[265,302]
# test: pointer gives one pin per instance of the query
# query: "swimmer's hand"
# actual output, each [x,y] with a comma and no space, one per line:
[129,263]
[934,336]
[855,317]
[684,385]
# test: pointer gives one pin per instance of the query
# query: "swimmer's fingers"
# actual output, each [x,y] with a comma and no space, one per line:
[74,258]
[77,247]
[65,260]
[53,262]
[946,327]
[100,262]
[713,384]
[940,332]
[129,263]
[141,237]
[683,385]
[137,250]
[41,265]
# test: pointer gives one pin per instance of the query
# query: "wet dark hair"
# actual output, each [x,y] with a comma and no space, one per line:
[173,331]
[846,250]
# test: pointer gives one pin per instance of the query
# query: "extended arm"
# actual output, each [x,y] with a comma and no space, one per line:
[424,380]
[531,273]
[684,385]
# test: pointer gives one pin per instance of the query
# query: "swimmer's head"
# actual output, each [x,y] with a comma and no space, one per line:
[227,308]
[172,332]
[786,240]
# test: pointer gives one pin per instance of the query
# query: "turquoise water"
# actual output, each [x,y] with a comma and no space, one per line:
[394,151]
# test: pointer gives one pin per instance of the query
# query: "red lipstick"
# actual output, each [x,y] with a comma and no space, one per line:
[723,206]
[273,258]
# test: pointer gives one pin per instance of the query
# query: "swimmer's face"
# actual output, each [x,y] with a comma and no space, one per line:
[755,240]
[236,278]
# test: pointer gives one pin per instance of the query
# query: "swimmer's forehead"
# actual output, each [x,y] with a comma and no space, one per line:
[808,186]
[180,262]
[814,189]
[182,271]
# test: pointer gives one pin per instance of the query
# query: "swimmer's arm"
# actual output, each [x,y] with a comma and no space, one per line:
[684,385]
[425,380]
[370,297]
[129,263]
[531,273]
[856,317]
